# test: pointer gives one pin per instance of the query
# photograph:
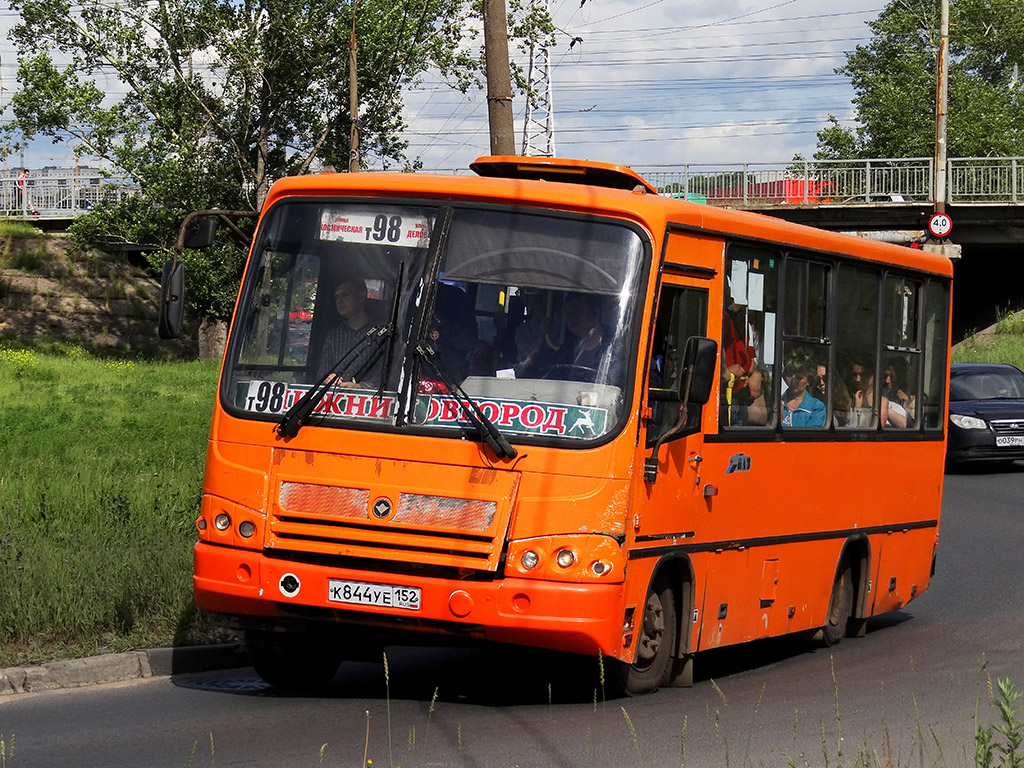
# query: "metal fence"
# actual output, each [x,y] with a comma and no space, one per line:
[891,181]
[59,195]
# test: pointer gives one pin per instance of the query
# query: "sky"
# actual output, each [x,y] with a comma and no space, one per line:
[670,82]
[652,83]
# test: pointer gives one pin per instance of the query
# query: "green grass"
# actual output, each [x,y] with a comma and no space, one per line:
[100,481]
[18,229]
[1002,348]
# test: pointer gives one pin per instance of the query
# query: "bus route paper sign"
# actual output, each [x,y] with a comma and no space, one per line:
[407,231]
[940,225]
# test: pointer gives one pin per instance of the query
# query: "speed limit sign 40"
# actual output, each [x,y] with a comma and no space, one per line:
[940,225]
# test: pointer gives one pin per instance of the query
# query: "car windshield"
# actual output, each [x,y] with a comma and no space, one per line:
[987,385]
[529,314]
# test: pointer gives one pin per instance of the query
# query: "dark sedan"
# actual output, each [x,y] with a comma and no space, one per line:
[986,413]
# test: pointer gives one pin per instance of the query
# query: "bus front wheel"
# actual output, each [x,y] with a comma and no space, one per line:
[293,661]
[655,639]
[840,606]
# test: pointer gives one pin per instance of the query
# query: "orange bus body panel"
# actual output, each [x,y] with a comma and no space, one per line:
[757,555]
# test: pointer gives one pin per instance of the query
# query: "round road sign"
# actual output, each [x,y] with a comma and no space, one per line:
[940,225]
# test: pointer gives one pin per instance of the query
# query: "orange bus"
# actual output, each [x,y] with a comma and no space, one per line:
[546,406]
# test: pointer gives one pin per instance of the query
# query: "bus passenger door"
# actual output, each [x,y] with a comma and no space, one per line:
[665,516]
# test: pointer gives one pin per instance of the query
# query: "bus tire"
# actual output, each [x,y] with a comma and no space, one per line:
[840,606]
[293,661]
[655,637]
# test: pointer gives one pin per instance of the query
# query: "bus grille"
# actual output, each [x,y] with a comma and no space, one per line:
[365,523]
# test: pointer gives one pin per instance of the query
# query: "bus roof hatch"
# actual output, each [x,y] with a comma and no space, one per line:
[561,169]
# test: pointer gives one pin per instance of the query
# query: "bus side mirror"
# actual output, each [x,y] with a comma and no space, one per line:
[172,299]
[199,233]
[700,361]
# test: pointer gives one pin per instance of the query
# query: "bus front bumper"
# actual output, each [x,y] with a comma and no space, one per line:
[578,618]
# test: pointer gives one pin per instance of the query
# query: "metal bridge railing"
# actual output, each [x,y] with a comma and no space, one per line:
[840,182]
[59,195]
[891,181]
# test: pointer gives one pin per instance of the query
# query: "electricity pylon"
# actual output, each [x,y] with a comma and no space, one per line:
[539,123]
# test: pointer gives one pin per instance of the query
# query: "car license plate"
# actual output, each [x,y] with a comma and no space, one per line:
[1009,441]
[377,595]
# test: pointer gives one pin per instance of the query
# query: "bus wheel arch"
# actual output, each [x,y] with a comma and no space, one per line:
[660,636]
[846,606]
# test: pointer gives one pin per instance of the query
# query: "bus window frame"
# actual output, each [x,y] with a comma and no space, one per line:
[633,389]
[833,261]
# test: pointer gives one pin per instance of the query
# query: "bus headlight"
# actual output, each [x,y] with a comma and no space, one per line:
[574,558]
[227,523]
[565,558]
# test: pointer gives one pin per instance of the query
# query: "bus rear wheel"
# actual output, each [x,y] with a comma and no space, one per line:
[655,639]
[294,661]
[840,606]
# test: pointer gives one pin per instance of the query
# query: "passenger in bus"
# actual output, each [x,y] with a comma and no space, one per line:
[453,333]
[799,407]
[362,368]
[842,400]
[863,374]
[897,374]
[742,379]
[536,348]
[507,320]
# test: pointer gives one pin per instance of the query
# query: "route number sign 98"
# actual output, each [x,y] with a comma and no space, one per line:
[940,225]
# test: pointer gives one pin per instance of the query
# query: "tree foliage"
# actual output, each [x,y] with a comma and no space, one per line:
[894,78]
[215,99]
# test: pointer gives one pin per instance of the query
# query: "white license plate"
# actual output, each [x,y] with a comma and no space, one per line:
[1009,441]
[377,595]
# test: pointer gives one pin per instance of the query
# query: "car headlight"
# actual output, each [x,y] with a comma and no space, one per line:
[968,422]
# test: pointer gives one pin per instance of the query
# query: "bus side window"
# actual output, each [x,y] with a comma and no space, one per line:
[748,390]
[683,308]
[853,378]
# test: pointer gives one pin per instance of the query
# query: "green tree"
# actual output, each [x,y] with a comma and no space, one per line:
[218,98]
[894,78]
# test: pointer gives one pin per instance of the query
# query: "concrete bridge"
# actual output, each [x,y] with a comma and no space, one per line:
[985,196]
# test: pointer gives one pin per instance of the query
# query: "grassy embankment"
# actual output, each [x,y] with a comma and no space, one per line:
[100,480]
[1003,343]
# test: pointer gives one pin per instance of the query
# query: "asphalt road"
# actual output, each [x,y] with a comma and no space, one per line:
[905,694]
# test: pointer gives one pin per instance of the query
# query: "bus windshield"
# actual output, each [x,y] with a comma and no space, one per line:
[398,306]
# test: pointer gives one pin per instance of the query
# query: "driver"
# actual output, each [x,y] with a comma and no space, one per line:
[585,349]
[355,325]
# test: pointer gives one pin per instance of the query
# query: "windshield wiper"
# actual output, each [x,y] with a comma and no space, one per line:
[296,417]
[391,327]
[485,427]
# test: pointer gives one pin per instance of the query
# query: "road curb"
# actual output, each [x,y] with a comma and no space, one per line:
[117,667]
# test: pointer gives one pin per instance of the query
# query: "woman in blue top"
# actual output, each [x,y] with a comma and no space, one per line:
[799,407]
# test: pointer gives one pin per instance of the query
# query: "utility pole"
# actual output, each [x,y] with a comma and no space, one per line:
[539,122]
[941,105]
[499,82]
[940,224]
[353,99]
